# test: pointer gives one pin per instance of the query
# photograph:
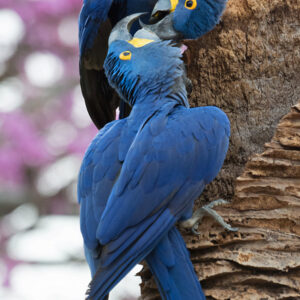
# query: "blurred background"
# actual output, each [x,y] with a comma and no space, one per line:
[44,131]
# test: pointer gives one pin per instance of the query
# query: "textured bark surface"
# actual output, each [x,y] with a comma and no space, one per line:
[250,67]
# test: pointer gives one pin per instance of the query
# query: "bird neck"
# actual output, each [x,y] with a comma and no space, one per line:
[156,98]
[149,104]
[142,110]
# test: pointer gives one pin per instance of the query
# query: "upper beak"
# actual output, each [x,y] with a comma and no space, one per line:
[161,21]
[160,10]
[121,31]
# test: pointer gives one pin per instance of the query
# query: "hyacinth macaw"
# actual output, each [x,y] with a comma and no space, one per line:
[185,19]
[175,20]
[141,174]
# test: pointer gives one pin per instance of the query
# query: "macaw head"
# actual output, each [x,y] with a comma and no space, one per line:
[142,65]
[185,19]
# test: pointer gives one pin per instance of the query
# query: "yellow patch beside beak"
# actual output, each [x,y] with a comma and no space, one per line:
[173,4]
[137,43]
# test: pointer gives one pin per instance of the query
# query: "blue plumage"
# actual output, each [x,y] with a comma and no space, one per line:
[95,13]
[142,174]
[97,17]
[186,19]
[173,270]
[193,23]
[92,15]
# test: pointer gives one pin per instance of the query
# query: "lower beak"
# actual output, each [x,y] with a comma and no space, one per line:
[158,15]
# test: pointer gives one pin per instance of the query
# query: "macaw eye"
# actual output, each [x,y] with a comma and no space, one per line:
[126,55]
[190,4]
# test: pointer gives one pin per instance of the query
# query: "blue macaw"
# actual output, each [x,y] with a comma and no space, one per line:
[141,174]
[185,19]
[175,20]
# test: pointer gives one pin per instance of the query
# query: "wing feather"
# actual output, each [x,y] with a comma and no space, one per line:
[97,175]
[92,15]
[138,194]
[132,204]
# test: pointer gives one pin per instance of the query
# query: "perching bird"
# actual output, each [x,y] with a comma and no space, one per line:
[185,19]
[181,19]
[96,19]
[141,174]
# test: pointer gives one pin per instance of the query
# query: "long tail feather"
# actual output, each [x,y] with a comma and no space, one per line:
[122,259]
[173,270]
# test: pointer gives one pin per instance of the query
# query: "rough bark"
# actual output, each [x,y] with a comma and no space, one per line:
[250,67]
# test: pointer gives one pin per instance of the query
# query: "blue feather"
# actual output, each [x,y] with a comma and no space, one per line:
[117,262]
[175,277]
[93,13]
[195,23]
[142,174]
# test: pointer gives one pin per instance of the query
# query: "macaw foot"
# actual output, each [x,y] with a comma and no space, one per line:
[198,215]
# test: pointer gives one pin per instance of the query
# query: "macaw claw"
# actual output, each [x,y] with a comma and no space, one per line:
[198,215]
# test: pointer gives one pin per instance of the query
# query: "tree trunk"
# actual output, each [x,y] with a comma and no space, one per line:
[250,67]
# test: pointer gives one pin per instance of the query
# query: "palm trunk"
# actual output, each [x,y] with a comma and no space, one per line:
[250,67]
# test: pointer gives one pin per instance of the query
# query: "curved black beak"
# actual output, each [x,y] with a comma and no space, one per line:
[161,21]
[160,10]
[122,29]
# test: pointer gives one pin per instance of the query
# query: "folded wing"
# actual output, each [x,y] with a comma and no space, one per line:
[163,173]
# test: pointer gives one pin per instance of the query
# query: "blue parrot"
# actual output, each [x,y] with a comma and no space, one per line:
[185,19]
[175,20]
[141,174]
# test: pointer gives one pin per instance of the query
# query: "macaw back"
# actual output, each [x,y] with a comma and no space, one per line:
[136,193]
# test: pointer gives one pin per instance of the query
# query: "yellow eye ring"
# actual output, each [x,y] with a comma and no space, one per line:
[190,4]
[126,55]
